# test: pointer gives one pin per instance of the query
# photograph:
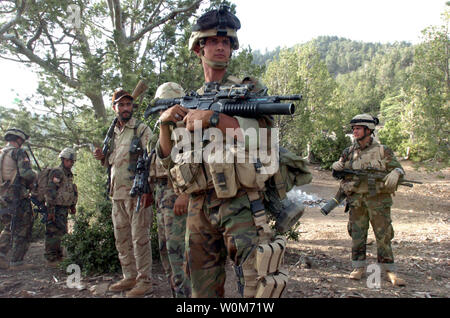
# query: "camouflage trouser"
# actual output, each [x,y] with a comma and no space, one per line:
[54,231]
[377,211]
[217,228]
[171,236]
[132,234]
[16,234]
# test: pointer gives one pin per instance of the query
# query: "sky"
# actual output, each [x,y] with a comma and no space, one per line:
[267,24]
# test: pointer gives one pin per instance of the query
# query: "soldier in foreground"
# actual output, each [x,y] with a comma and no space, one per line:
[370,201]
[129,136]
[226,217]
[172,212]
[16,180]
[61,198]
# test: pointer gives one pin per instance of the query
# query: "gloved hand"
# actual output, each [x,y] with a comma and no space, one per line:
[338,166]
[391,179]
[73,210]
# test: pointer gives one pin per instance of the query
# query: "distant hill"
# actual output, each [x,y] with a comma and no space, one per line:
[341,55]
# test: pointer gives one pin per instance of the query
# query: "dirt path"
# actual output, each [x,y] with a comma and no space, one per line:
[319,262]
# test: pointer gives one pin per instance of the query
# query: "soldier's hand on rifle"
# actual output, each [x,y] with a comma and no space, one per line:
[390,181]
[201,116]
[98,154]
[181,205]
[338,166]
[173,114]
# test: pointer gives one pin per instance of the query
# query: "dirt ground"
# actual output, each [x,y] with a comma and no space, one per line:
[318,263]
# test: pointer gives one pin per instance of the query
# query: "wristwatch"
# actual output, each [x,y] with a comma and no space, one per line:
[214,119]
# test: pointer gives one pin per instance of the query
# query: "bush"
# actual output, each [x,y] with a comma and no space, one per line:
[327,149]
[91,245]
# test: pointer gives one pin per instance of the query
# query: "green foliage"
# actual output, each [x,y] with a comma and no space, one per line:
[92,245]
[328,149]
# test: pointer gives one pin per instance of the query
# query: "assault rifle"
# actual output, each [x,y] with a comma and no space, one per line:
[372,176]
[105,150]
[140,183]
[235,100]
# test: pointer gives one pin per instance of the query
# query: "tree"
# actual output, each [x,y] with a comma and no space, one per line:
[301,70]
[88,46]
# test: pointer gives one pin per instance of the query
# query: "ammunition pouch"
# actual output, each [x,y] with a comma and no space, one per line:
[249,174]
[187,176]
[261,273]
[224,179]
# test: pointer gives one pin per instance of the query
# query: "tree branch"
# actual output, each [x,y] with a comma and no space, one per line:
[163,20]
[5,27]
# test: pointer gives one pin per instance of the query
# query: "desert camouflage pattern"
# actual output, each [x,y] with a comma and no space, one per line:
[16,234]
[61,195]
[365,209]
[171,237]
[119,158]
[131,229]
[132,234]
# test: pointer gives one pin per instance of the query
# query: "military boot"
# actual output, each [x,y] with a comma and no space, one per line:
[357,273]
[4,264]
[394,279]
[124,284]
[141,289]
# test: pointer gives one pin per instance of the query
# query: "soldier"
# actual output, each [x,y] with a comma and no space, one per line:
[61,198]
[16,180]
[172,212]
[225,218]
[131,229]
[366,153]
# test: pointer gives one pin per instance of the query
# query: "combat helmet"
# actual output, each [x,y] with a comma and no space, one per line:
[169,90]
[218,22]
[68,153]
[364,120]
[16,132]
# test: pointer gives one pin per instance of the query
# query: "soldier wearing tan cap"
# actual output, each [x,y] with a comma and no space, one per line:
[131,229]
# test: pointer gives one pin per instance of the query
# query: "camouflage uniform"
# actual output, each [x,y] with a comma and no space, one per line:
[16,234]
[131,230]
[61,196]
[171,227]
[171,237]
[365,208]
[217,228]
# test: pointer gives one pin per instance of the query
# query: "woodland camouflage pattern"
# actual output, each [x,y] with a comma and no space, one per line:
[16,234]
[374,209]
[171,237]
[61,195]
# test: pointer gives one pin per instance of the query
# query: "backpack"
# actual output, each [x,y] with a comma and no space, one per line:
[39,188]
